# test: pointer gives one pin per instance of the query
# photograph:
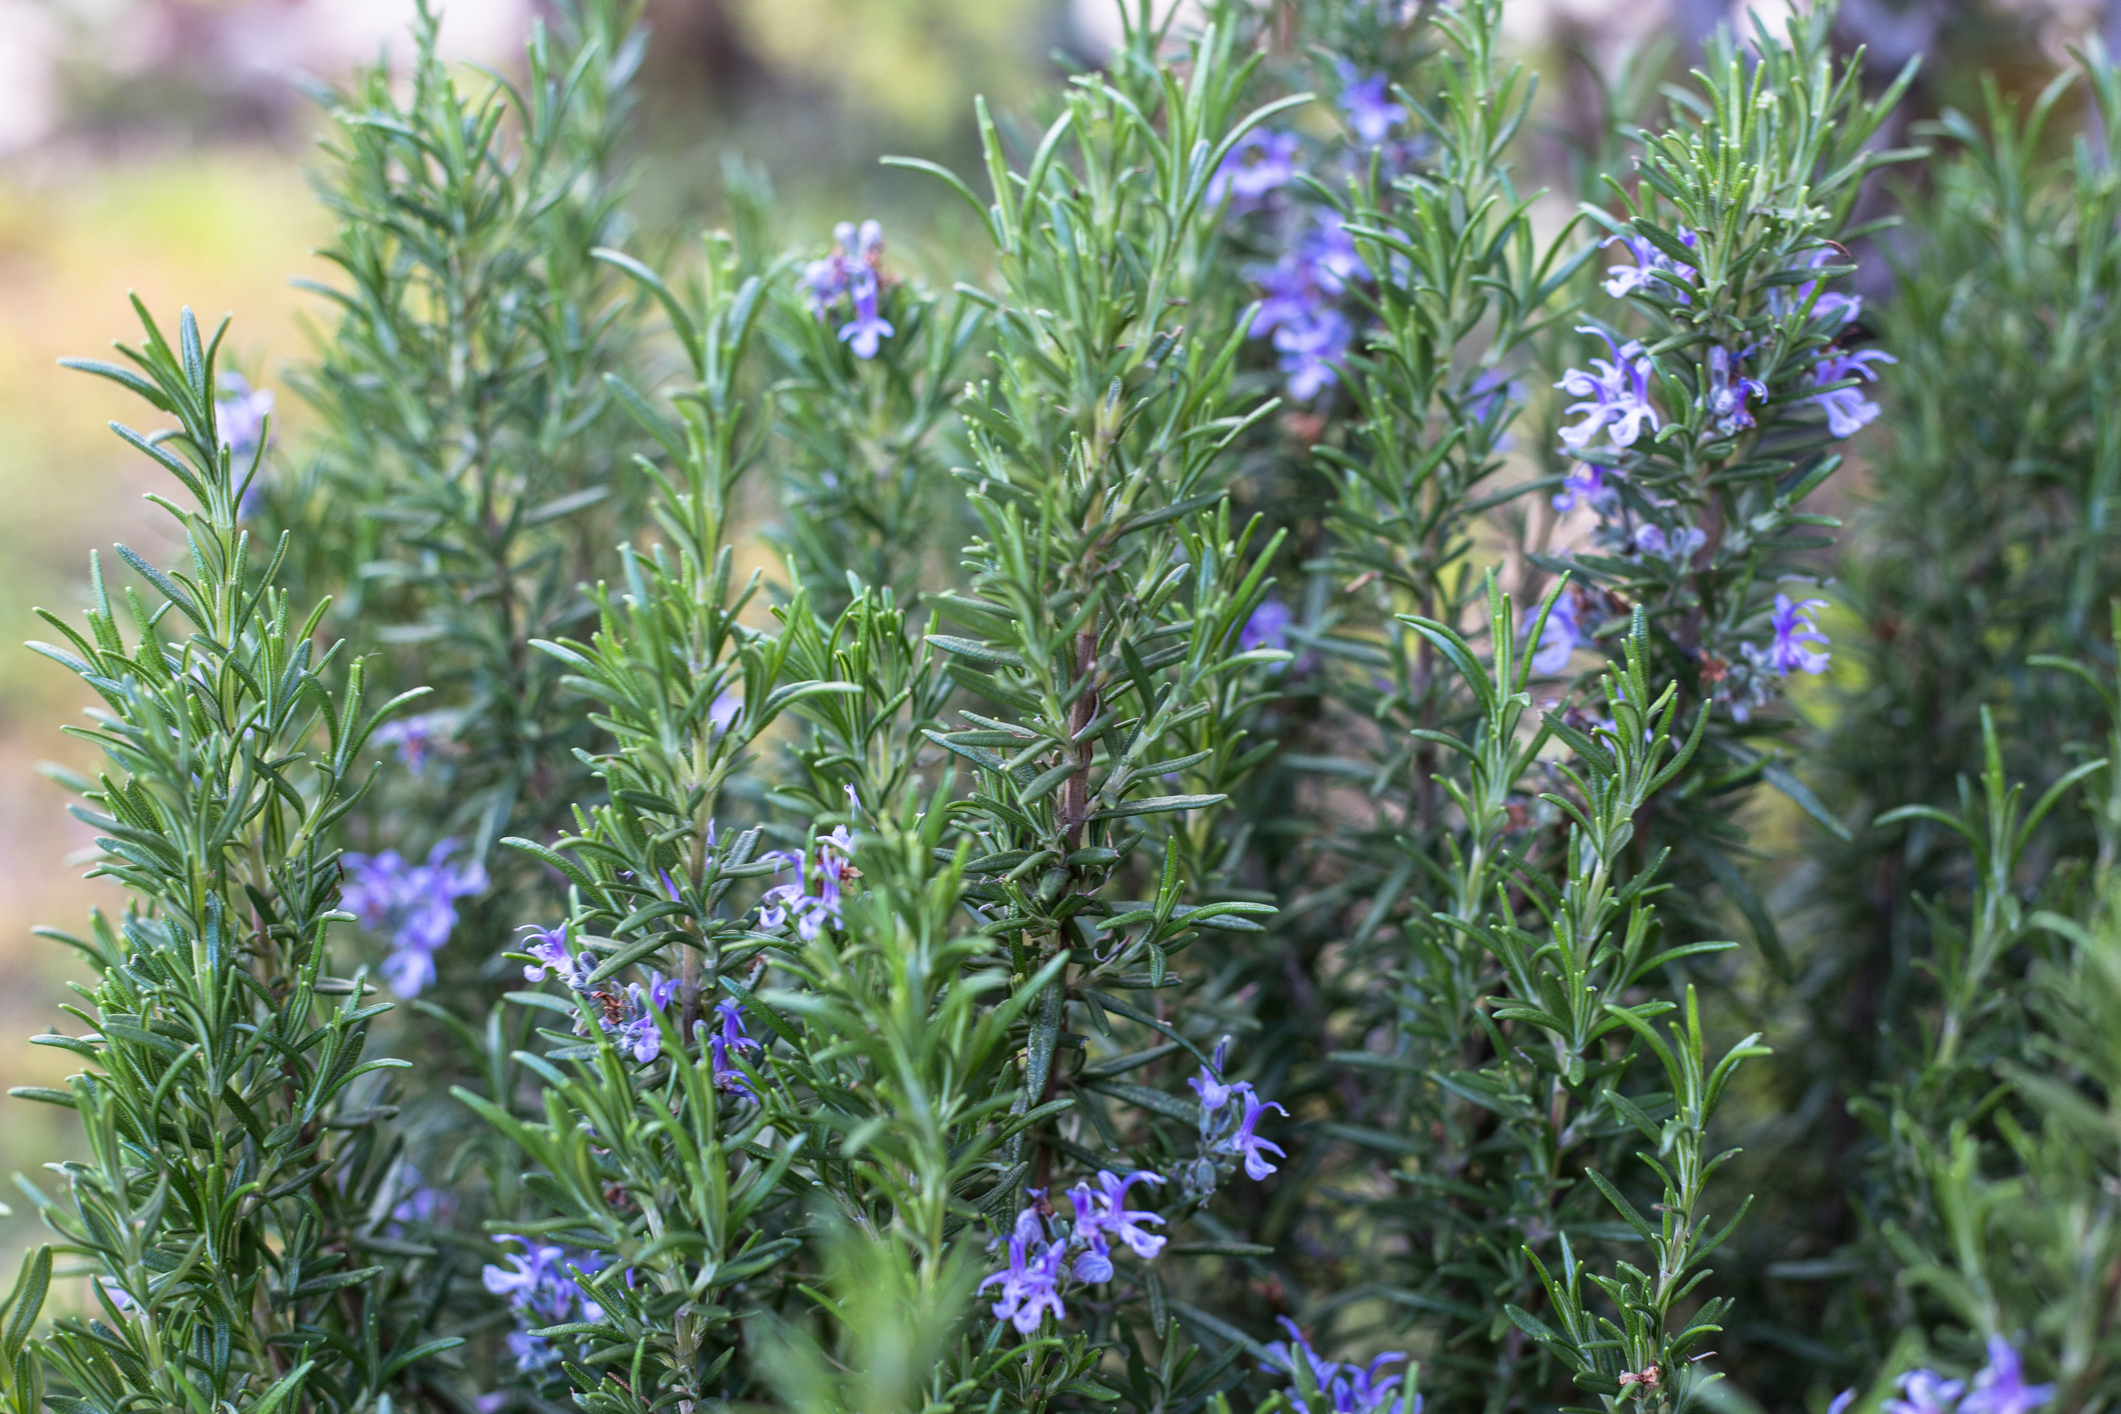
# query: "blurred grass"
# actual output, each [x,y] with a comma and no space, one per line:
[220,230]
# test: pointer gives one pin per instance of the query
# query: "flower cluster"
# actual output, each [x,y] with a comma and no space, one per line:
[810,911]
[1615,411]
[543,1284]
[1262,163]
[1999,1387]
[1847,410]
[1559,636]
[1351,1388]
[1229,1123]
[850,273]
[1300,304]
[1366,103]
[417,738]
[1266,626]
[1615,400]
[414,905]
[1795,645]
[239,415]
[1653,270]
[628,1016]
[729,1078]
[1302,290]
[1041,1244]
[412,1200]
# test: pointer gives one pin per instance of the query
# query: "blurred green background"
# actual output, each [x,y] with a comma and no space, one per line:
[158,146]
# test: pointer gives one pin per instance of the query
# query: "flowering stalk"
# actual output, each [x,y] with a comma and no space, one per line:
[1695,442]
[236,1143]
[474,464]
[1108,586]
[865,426]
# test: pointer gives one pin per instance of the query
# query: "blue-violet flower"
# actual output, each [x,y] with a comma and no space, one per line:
[1847,410]
[1371,112]
[1261,164]
[415,905]
[1615,400]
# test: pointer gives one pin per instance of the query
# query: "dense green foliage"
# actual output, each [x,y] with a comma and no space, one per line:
[1201,863]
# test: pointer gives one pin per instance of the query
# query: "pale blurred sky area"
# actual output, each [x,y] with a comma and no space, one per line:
[160,146]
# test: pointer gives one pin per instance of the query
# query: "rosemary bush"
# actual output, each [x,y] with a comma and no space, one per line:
[1199,875]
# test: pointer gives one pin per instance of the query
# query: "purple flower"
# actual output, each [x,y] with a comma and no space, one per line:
[1299,307]
[1266,627]
[732,1014]
[1653,270]
[549,947]
[1725,392]
[1847,409]
[723,712]
[1351,1388]
[419,1204]
[240,414]
[1366,1392]
[1248,1144]
[1558,640]
[1328,251]
[728,1078]
[1841,1402]
[1925,1392]
[542,1292]
[1106,1211]
[1029,1287]
[1260,164]
[1095,1265]
[1283,1357]
[732,1037]
[1370,112]
[1583,486]
[1213,1093]
[1616,400]
[409,971]
[1795,632]
[2000,1388]
[414,737]
[826,281]
[862,332]
[1309,350]
[811,912]
[639,1033]
[1290,293]
[1651,540]
[414,904]
[1838,309]
[849,273]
